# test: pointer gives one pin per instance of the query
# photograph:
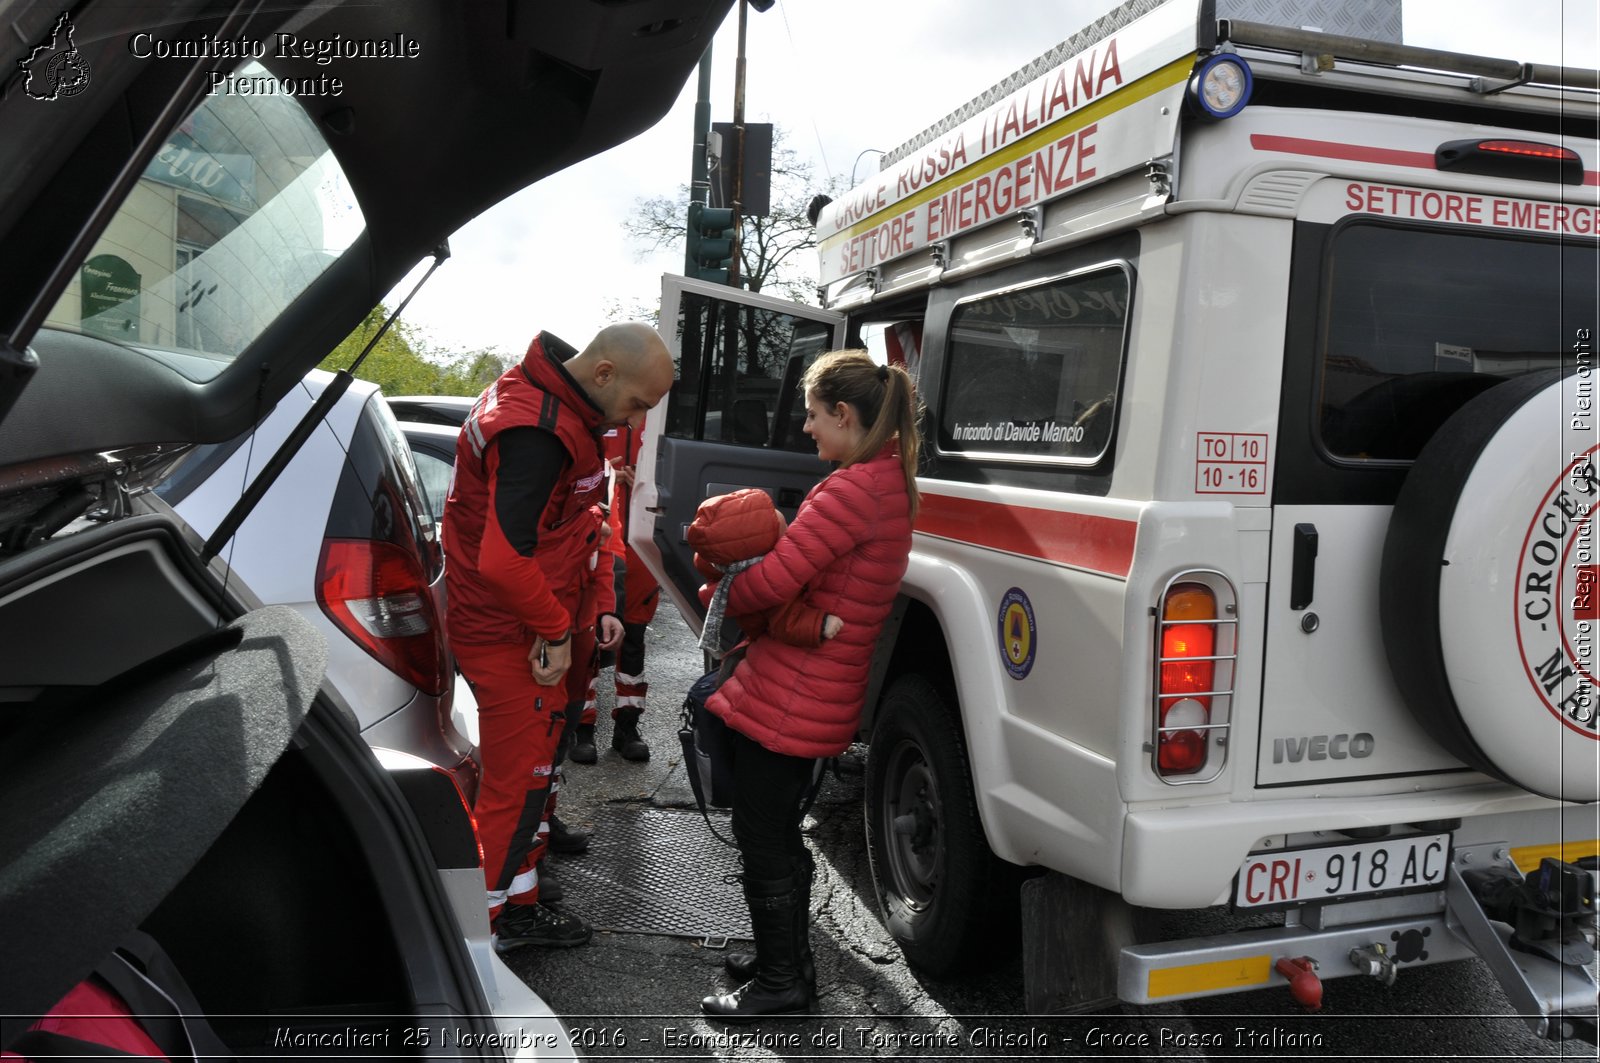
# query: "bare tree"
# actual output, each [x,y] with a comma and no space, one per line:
[772,250]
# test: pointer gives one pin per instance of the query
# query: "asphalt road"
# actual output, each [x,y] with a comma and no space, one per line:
[635,995]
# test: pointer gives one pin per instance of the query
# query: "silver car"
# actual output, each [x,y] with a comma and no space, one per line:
[345,536]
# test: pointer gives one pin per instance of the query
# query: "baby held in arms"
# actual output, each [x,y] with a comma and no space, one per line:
[729,533]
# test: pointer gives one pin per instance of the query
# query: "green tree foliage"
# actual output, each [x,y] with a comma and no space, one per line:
[402,364]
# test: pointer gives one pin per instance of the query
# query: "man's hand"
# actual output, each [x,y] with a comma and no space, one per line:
[831,626]
[611,632]
[623,473]
[550,662]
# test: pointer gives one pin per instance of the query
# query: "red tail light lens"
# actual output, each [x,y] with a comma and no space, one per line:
[467,807]
[1530,148]
[1524,160]
[1188,670]
[376,593]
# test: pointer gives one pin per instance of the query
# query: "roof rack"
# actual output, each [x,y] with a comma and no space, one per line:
[1098,30]
[1488,75]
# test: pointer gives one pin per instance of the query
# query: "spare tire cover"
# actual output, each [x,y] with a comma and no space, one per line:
[1488,596]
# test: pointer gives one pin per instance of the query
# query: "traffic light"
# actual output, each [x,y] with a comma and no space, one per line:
[710,244]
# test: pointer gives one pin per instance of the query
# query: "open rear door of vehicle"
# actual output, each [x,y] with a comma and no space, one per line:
[733,418]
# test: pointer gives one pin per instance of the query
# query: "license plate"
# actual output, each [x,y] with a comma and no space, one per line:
[1335,872]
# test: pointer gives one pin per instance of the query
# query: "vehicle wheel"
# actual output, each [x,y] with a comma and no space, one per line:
[1487,589]
[942,893]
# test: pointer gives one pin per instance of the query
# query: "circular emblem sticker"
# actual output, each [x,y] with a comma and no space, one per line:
[1556,607]
[1019,636]
[1499,665]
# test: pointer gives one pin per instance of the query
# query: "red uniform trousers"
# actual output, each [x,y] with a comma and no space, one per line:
[585,649]
[639,595]
[519,729]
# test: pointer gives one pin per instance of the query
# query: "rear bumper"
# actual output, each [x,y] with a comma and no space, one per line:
[424,728]
[1209,842]
[1378,938]
[528,1029]
[1232,963]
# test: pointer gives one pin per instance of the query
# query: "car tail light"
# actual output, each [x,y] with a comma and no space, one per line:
[376,593]
[466,806]
[1194,675]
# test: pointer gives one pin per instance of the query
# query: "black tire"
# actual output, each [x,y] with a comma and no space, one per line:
[942,893]
[1448,532]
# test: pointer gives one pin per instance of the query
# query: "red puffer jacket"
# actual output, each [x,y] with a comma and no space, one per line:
[846,551]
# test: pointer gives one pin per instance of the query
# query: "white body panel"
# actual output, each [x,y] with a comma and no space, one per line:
[1311,690]
[1220,451]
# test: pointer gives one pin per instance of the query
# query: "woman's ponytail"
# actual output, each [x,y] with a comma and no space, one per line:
[885,399]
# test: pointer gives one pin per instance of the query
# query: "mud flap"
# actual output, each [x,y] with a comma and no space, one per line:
[1542,961]
[1072,933]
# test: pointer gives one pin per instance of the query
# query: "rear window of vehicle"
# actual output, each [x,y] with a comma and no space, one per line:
[1418,322]
[1032,373]
[398,495]
[241,209]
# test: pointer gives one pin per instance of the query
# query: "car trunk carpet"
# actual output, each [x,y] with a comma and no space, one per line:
[127,788]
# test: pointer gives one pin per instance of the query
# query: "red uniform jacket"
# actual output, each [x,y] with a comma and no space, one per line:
[848,547]
[495,592]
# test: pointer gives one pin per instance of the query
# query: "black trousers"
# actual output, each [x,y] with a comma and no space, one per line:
[768,789]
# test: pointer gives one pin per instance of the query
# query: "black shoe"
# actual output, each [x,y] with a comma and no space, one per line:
[742,966]
[777,989]
[568,840]
[535,924]
[755,1000]
[583,750]
[625,736]
[550,890]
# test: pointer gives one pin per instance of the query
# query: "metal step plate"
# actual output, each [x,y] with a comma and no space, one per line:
[657,871]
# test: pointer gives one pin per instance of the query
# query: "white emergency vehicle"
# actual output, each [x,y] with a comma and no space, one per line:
[1255,566]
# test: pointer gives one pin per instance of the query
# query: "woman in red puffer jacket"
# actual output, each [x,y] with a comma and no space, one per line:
[845,554]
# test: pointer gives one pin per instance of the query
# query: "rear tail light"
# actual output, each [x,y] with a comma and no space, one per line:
[376,593]
[466,806]
[1194,676]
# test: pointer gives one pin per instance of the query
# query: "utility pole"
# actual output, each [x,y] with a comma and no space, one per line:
[738,147]
[699,174]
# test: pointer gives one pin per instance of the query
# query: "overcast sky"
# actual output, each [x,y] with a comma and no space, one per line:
[843,77]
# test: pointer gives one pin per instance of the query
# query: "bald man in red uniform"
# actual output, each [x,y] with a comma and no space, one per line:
[521,525]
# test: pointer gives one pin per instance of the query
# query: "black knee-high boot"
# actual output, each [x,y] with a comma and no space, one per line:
[742,965]
[777,988]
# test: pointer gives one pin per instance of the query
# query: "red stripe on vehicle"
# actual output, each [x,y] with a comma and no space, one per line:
[1328,149]
[1082,540]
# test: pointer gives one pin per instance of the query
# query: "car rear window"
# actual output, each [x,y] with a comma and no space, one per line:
[1417,322]
[398,487]
[241,209]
